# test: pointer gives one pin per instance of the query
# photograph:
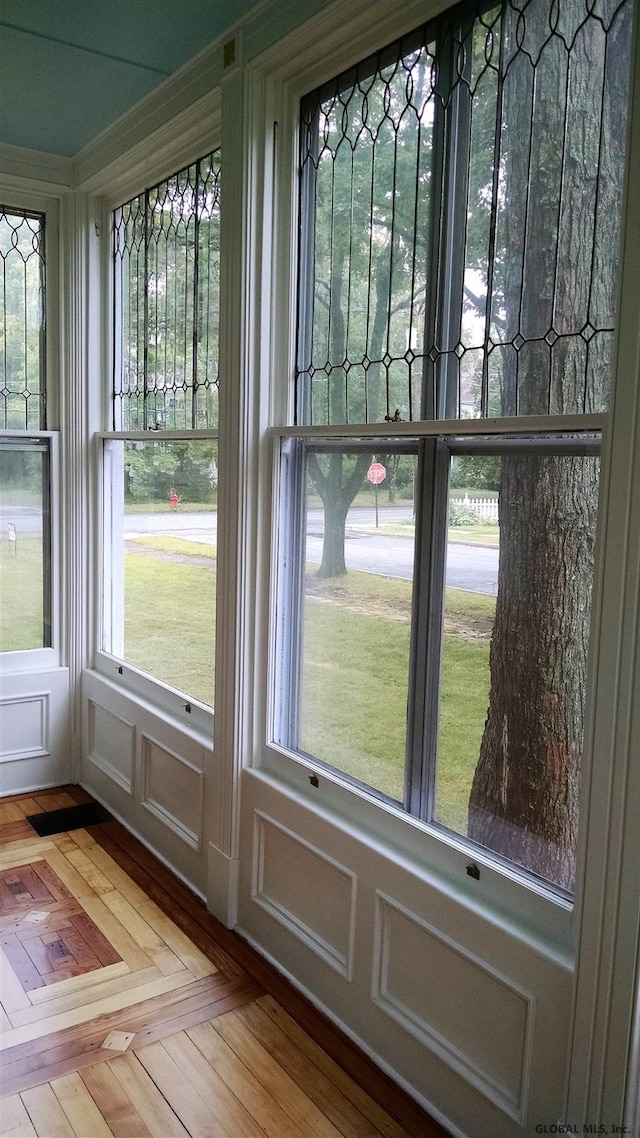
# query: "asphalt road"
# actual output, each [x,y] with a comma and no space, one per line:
[471,567]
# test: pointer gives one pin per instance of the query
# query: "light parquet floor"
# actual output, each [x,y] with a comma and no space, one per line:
[127,1011]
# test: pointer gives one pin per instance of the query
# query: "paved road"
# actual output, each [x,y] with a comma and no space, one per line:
[470,567]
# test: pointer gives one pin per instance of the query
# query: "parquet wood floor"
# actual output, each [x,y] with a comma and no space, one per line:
[126,1010]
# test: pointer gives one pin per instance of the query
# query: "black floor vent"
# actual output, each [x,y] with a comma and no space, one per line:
[71,818]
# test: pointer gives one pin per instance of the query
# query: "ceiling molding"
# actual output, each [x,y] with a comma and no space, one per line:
[26,169]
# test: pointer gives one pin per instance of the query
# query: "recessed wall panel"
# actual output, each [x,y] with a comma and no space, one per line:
[25,723]
[307,891]
[111,745]
[172,791]
[474,1019]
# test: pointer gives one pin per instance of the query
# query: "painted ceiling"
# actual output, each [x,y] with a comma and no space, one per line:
[70,68]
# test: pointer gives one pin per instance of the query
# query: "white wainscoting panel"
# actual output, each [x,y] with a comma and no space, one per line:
[172,789]
[455,1019]
[111,745]
[463,1005]
[290,876]
[25,726]
[150,771]
[34,729]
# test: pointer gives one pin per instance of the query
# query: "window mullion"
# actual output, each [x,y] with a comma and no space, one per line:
[451,264]
[426,629]
[290,606]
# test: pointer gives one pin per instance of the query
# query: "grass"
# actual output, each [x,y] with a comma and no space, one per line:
[355,658]
[177,545]
[163,507]
[21,594]
[170,622]
[355,684]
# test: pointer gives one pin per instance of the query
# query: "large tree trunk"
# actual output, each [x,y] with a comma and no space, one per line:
[524,799]
[557,280]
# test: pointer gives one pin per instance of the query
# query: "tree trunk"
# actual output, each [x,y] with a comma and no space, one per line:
[557,281]
[524,798]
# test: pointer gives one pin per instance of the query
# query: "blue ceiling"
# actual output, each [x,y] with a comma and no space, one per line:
[69,68]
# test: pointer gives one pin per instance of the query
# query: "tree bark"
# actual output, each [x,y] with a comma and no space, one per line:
[524,796]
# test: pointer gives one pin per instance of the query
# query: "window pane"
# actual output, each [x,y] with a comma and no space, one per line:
[160,572]
[460,200]
[25,605]
[356,611]
[167,276]
[22,356]
[514,655]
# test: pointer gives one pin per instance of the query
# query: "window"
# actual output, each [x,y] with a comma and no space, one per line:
[460,199]
[160,458]
[25,494]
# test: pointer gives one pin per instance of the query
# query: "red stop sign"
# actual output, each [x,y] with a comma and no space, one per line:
[376,473]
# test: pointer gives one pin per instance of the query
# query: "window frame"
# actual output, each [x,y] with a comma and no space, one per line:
[51,656]
[153,163]
[276,82]
[434,443]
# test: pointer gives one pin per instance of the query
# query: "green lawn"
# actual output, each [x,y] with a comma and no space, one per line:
[355,669]
[21,594]
[355,685]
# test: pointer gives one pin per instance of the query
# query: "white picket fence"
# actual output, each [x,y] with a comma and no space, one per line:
[481,507]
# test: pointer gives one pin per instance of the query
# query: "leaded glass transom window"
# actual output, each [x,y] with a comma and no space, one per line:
[22,334]
[460,197]
[167,296]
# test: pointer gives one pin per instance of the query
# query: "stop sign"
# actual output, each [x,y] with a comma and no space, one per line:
[376,473]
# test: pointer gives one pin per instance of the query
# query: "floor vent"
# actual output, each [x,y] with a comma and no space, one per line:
[71,818]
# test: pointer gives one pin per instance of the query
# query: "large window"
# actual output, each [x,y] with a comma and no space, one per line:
[460,200]
[25,494]
[160,458]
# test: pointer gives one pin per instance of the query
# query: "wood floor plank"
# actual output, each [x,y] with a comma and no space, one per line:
[321,1061]
[87,869]
[213,1090]
[14,996]
[65,990]
[10,812]
[229,1032]
[241,1080]
[79,1107]
[321,1089]
[50,1056]
[5,1022]
[24,926]
[299,1106]
[16,831]
[116,934]
[148,940]
[114,1103]
[46,1114]
[186,910]
[150,1102]
[184,948]
[24,1131]
[113,873]
[29,1032]
[119,979]
[69,877]
[13,1114]
[18,853]
[195,1115]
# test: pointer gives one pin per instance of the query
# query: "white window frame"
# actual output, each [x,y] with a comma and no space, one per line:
[277,82]
[169,149]
[37,659]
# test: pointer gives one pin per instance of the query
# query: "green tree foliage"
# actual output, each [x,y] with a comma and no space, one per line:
[168,274]
[22,359]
